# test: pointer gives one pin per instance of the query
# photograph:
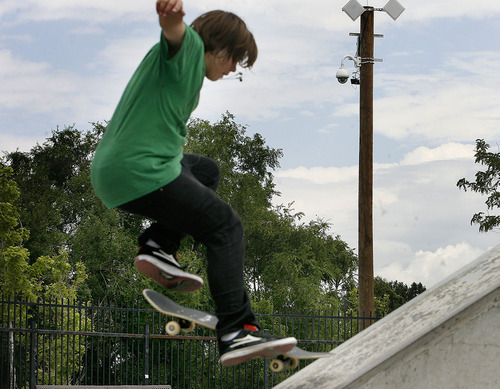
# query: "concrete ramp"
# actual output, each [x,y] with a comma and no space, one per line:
[448,337]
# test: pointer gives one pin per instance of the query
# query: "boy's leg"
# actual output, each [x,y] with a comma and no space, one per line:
[189,205]
[203,169]
[207,173]
[164,268]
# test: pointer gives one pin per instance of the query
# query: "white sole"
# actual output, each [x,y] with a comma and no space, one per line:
[171,277]
[268,349]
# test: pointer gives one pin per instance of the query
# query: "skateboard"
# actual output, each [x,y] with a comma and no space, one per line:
[188,318]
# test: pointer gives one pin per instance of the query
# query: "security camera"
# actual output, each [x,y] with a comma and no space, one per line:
[342,75]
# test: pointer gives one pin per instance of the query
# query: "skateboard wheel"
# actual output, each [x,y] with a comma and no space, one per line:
[292,363]
[173,328]
[187,326]
[277,365]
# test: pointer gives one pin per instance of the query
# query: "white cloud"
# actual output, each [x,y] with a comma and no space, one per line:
[32,85]
[326,13]
[37,88]
[34,88]
[422,226]
[10,143]
[16,38]
[451,102]
[425,10]
[321,175]
[431,267]
[120,57]
[430,99]
[444,152]
[92,11]
[299,54]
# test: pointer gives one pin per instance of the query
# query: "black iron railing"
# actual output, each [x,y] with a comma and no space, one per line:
[68,343]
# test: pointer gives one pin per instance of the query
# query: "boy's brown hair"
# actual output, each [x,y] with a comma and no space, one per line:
[224,31]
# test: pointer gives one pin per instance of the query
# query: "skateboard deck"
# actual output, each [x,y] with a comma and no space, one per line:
[188,318]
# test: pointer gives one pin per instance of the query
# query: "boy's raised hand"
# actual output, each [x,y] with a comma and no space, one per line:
[166,7]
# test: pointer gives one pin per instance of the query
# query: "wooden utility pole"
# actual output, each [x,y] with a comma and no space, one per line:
[365,60]
[365,194]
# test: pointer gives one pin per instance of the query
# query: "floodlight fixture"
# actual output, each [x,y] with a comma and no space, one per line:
[393,9]
[354,9]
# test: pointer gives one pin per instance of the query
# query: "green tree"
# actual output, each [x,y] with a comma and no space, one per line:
[52,178]
[390,295]
[49,277]
[245,163]
[288,263]
[487,183]
[60,208]
[58,281]
[14,274]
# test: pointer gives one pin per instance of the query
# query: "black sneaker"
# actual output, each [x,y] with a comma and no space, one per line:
[251,343]
[164,269]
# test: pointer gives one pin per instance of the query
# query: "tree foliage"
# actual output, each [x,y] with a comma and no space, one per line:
[389,296]
[59,207]
[393,294]
[288,264]
[53,181]
[14,277]
[487,183]
[76,249]
[48,277]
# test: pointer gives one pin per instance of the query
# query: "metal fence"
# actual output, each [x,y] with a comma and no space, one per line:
[67,343]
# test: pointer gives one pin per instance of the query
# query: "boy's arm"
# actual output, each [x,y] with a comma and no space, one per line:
[171,14]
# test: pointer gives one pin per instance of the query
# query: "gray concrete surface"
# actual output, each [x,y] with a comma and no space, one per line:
[448,337]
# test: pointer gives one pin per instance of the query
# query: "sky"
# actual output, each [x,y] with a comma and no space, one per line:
[436,92]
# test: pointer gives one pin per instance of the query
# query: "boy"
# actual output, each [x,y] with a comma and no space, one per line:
[139,166]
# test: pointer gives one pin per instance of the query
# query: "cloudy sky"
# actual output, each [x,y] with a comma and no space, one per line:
[436,91]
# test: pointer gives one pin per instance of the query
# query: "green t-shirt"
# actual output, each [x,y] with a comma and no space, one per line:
[141,150]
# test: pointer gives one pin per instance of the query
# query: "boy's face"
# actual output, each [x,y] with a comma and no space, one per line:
[218,64]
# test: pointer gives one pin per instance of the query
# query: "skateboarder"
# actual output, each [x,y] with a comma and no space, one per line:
[139,166]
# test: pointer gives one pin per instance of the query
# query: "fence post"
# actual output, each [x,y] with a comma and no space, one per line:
[33,355]
[12,369]
[266,369]
[146,354]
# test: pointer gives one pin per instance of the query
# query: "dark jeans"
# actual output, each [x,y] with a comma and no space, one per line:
[189,205]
